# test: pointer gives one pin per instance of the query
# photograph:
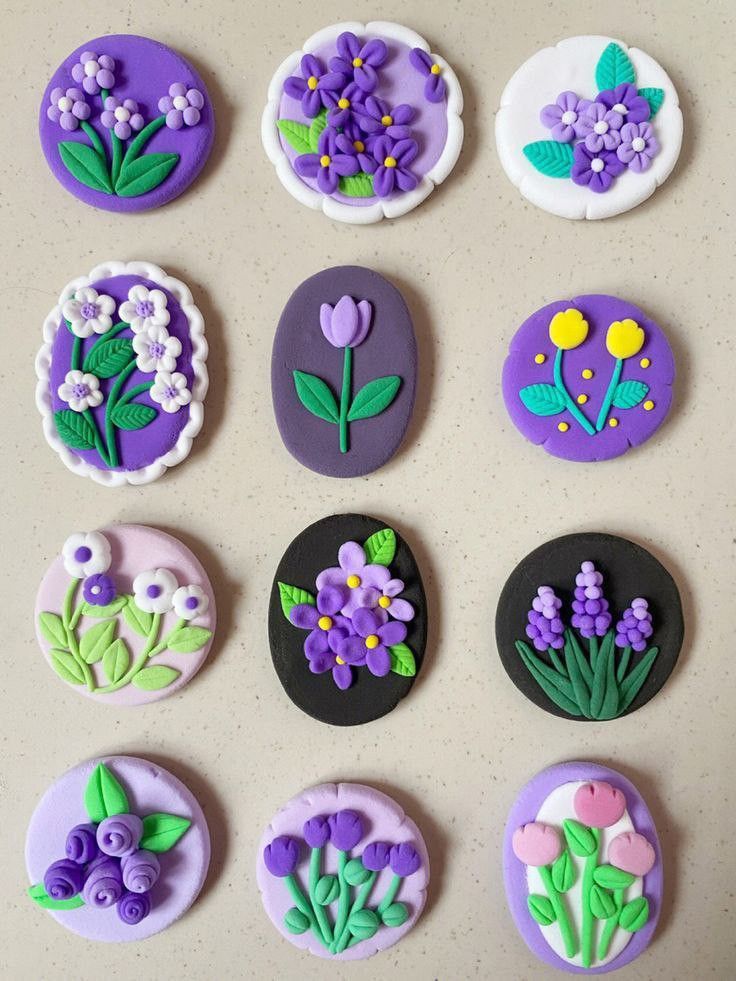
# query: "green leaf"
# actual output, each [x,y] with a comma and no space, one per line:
[563,872]
[634,680]
[541,909]
[550,158]
[363,923]
[609,877]
[380,547]
[655,98]
[95,641]
[104,796]
[295,921]
[86,165]
[542,400]
[374,398]
[634,915]
[315,395]
[614,68]
[629,394]
[604,688]
[66,667]
[137,619]
[53,629]
[395,915]
[402,660]
[107,358]
[580,840]
[154,678]
[116,660]
[188,639]
[315,130]
[292,596]
[39,895]
[555,685]
[90,610]
[576,664]
[295,134]
[356,873]
[162,831]
[602,904]
[132,415]
[357,186]
[74,429]
[143,174]
[327,890]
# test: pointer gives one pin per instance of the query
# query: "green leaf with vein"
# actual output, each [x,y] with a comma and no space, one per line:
[550,158]
[137,619]
[602,904]
[655,98]
[632,683]
[374,398]
[402,661]
[292,596]
[116,660]
[154,678]
[74,429]
[104,795]
[634,915]
[542,400]
[94,642]
[109,610]
[188,639]
[629,394]
[66,667]
[380,547]
[557,688]
[295,134]
[610,877]
[86,165]
[143,174]
[39,895]
[580,839]
[316,396]
[162,831]
[315,130]
[563,872]
[357,186]
[614,68]
[541,909]
[132,415]
[52,628]
[107,358]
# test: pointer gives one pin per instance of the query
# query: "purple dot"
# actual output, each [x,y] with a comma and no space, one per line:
[89,311]
[191,603]
[153,591]
[83,554]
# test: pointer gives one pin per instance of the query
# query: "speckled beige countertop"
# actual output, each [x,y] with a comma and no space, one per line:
[468,492]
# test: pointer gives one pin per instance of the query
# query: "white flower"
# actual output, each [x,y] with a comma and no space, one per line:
[190,602]
[86,554]
[144,308]
[88,312]
[156,350]
[80,391]
[154,590]
[170,391]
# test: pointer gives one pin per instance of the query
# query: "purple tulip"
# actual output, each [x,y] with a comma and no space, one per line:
[63,879]
[347,323]
[281,856]
[103,886]
[316,831]
[81,844]
[346,829]
[377,855]
[120,834]
[133,907]
[140,870]
[404,859]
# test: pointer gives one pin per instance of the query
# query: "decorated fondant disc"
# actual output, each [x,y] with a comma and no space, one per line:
[125,615]
[589,128]
[363,121]
[117,849]
[344,371]
[126,123]
[122,374]
[589,626]
[343,872]
[347,620]
[589,377]
[582,867]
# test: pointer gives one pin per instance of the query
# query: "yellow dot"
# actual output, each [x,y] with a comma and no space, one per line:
[540,358]
[384,602]
[387,120]
[357,62]
[339,660]
[649,405]
[359,145]
[563,426]
[372,641]
[324,161]
[587,373]
[582,399]
[324,623]
[389,162]
[343,103]
[645,362]
[613,422]
[353,581]
[435,69]
[312,83]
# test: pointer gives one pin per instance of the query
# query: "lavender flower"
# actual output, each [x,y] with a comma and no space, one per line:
[565,117]
[182,106]
[345,325]
[133,907]
[372,640]
[81,844]
[393,159]
[638,146]
[103,886]
[120,834]
[346,106]
[601,126]
[545,627]
[63,879]
[346,829]
[590,607]
[68,108]
[281,856]
[626,101]
[316,831]
[317,87]
[99,590]
[335,158]
[94,73]
[376,856]
[122,117]
[435,88]
[404,859]
[359,62]
[377,116]
[635,627]
[140,870]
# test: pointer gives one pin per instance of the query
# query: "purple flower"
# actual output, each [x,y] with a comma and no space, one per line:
[330,163]
[359,62]
[81,844]
[67,108]
[595,170]
[545,627]
[133,907]
[346,829]
[140,870]
[343,112]
[122,117]
[347,323]
[120,834]
[99,590]
[393,159]
[404,859]
[361,146]
[328,630]
[638,146]
[565,116]
[63,879]
[635,627]
[182,106]
[435,88]
[600,127]
[626,101]
[103,886]
[389,601]
[370,646]
[590,607]
[94,73]
[316,831]
[357,575]
[376,856]
[281,856]
[316,88]
[377,116]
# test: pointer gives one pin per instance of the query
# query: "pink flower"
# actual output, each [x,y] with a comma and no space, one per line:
[632,853]
[536,844]
[598,804]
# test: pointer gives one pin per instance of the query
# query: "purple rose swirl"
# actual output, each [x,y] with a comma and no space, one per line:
[103,885]
[133,907]
[63,879]
[119,835]
[81,844]
[141,870]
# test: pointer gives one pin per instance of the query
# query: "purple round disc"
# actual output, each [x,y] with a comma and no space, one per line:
[636,899]
[126,124]
[588,377]
[344,371]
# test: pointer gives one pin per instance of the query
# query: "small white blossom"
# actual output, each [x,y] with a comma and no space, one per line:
[80,391]
[156,350]
[89,312]
[144,308]
[86,554]
[154,590]
[190,602]
[170,391]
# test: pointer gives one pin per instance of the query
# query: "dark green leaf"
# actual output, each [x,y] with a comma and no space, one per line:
[550,158]
[629,394]
[66,667]
[634,680]
[188,639]
[132,415]
[634,915]
[107,358]
[296,921]
[154,678]
[580,840]
[137,619]
[541,909]
[39,895]
[602,904]
[315,130]
[295,134]
[315,395]
[380,547]
[52,628]
[357,186]
[86,165]
[95,641]
[556,688]
[116,660]
[162,831]
[604,671]
[614,68]
[563,872]
[655,98]
[395,915]
[143,174]
[542,400]
[104,796]
[610,877]
[574,663]
[74,429]
[292,596]
[374,397]
[110,610]
[402,661]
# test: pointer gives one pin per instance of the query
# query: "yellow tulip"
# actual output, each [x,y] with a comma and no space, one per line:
[624,339]
[568,329]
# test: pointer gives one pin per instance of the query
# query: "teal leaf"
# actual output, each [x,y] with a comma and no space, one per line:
[315,395]
[188,639]
[550,158]
[104,796]
[292,596]
[74,429]
[39,895]
[602,904]
[295,134]
[315,130]
[137,619]
[655,98]
[542,400]
[395,915]
[614,68]
[143,174]
[541,909]
[116,660]
[327,890]
[162,831]
[380,547]
[402,661]
[634,680]
[95,641]
[132,415]
[107,358]
[363,924]
[295,921]
[357,186]
[580,839]
[101,612]
[374,398]
[629,394]
[66,667]
[609,877]
[155,678]
[86,165]
[634,914]
[356,873]
[563,872]
[52,628]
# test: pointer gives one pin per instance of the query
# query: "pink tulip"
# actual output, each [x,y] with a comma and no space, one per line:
[632,853]
[347,323]
[536,844]
[598,804]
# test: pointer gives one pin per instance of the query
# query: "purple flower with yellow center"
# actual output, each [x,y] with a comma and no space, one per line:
[391,603]
[347,104]
[121,117]
[361,144]
[377,117]
[545,627]
[376,855]
[638,146]
[371,644]
[316,831]
[68,108]
[94,72]
[590,607]
[359,61]
[626,101]
[317,87]
[393,159]
[601,126]
[346,829]
[327,631]
[435,88]
[355,573]
[281,856]
[595,171]
[635,626]
[565,117]
[99,590]
[329,164]
[404,859]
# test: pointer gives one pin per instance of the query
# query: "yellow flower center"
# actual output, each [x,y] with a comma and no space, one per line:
[339,660]
[435,69]
[359,145]
[357,62]
[387,120]
[384,602]
[353,581]
[324,623]
[324,160]
[372,641]
[389,162]
[343,103]
[613,423]
[645,362]
[582,399]
[312,82]
[540,358]
[563,426]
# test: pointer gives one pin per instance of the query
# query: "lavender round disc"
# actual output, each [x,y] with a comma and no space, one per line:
[173,828]
[348,329]
[609,827]
[366,847]
[126,124]
[588,377]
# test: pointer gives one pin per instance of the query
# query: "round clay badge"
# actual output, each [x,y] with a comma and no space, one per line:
[347,620]
[344,372]
[363,122]
[343,872]
[126,123]
[589,128]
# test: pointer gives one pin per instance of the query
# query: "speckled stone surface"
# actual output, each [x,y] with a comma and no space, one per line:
[465,489]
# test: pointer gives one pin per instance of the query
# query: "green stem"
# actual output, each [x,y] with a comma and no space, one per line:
[94,139]
[165,642]
[319,911]
[571,407]
[390,895]
[611,923]
[360,901]
[563,920]
[591,863]
[132,392]
[112,399]
[71,637]
[347,369]
[117,157]
[303,904]
[136,145]
[75,365]
[140,661]
[605,407]
[623,664]
[593,649]
[343,899]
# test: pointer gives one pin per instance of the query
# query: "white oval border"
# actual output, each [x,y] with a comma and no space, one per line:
[391,207]
[178,452]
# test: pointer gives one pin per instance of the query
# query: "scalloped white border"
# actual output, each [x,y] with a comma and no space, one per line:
[391,207]
[178,452]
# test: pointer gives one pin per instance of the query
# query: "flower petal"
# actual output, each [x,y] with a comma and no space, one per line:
[342,676]
[365,621]
[378,661]
[316,644]
[331,599]
[331,577]
[351,556]
[392,633]
[352,650]
[402,610]
[304,616]
[375,575]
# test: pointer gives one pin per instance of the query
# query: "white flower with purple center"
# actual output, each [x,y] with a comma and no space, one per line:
[156,350]
[145,308]
[86,553]
[365,581]
[94,72]
[121,117]
[170,390]
[68,108]
[80,390]
[154,590]
[190,602]
[89,312]
[182,106]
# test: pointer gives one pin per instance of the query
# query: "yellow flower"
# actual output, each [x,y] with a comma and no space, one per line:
[568,329]
[624,339]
